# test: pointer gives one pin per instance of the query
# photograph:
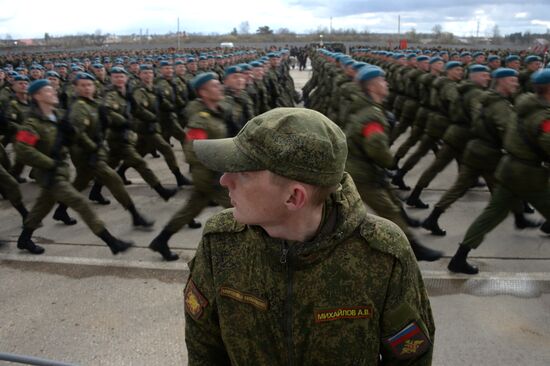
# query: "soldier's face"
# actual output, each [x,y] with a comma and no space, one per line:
[167,71]
[256,198]
[192,66]
[513,65]
[47,95]
[36,74]
[180,70]
[85,88]
[378,86]
[509,84]
[119,80]
[146,76]
[54,81]
[481,78]
[20,86]
[212,90]
[455,73]
[534,66]
[235,81]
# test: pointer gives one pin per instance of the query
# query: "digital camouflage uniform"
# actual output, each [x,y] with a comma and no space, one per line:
[240,108]
[253,299]
[168,110]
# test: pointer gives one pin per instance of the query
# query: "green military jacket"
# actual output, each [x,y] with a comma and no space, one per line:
[351,91]
[34,144]
[444,96]
[84,116]
[204,123]
[182,98]
[527,142]
[489,124]
[144,110]
[167,101]
[368,144]
[347,297]
[118,111]
[239,106]
[16,113]
[6,94]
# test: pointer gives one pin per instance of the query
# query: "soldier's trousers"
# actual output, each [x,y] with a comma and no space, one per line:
[385,203]
[204,191]
[9,187]
[417,131]
[406,118]
[443,157]
[127,153]
[502,201]
[62,191]
[4,158]
[150,142]
[427,143]
[106,176]
[173,130]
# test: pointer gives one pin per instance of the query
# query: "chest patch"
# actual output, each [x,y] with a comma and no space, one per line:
[352,312]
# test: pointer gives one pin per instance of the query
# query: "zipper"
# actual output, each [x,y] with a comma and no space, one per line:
[287,317]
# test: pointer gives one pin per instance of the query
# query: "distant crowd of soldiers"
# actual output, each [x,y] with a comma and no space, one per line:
[490,114]
[107,113]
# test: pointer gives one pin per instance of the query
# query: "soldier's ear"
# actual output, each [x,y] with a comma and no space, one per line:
[298,197]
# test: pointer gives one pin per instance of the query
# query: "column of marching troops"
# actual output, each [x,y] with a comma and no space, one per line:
[103,115]
[490,114]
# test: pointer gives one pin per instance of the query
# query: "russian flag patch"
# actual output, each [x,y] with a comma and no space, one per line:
[410,342]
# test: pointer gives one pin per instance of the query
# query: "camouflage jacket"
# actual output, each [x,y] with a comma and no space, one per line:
[527,141]
[88,143]
[118,115]
[144,110]
[240,106]
[350,296]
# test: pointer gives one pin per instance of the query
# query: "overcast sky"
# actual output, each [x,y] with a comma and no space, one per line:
[33,18]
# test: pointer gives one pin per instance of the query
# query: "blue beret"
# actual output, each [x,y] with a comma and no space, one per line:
[134,62]
[273,54]
[202,58]
[198,81]
[21,77]
[47,62]
[12,73]
[492,58]
[504,72]
[232,70]
[35,67]
[435,59]
[84,76]
[118,70]
[256,64]
[165,63]
[179,62]
[427,52]
[463,54]
[411,56]
[512,58]
[422,58]
[532,58]
[349,62]
[98,66]
[541,77]
[19,68]
[359,65]
[369,72]
[36,85]
[478,68]
[397,56]
[245,67]
[190,60]
[452,64]
[479,54]
[76,68]
[52,74]
[143,67]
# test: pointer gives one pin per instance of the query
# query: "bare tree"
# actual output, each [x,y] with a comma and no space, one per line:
[437,30]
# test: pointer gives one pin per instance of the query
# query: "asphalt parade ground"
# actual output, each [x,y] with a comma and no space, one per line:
[78,304]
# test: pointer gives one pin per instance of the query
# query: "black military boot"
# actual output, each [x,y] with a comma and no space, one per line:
[194,224]
[116,245]
[431,223]
[122,173]
[96,196]
[521,222]
[61,215]
[25,242]
[545,228]
[160,245]
[409,220]
[423,253]
[138,220]
[166,194]
[458,263]
[414,199]
[479,183]
[22,210]
[527,208]
[180,179]
[397,180]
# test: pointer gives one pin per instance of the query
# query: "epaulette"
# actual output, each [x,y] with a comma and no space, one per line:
[385,236]
[223,222]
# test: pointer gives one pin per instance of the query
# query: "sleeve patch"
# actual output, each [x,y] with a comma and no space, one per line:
[26,137]
[409,343]
[371,128]
[545,126]
[195,302]
[197,134]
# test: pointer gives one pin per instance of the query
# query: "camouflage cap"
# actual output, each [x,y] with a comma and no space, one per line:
[296,143]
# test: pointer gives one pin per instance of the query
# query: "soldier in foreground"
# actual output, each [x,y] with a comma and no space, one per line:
[297,273]
[42,144]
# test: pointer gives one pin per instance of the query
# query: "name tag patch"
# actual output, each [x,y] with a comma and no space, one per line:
[352,312]
[244,298]
[409,342]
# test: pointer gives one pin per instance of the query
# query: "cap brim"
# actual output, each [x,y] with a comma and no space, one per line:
[223,155]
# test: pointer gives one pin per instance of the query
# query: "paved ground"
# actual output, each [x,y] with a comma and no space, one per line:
[77,303]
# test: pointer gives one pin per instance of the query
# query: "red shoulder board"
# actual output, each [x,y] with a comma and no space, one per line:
[371,128]
[197,134]
[26,137]
[545,126]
